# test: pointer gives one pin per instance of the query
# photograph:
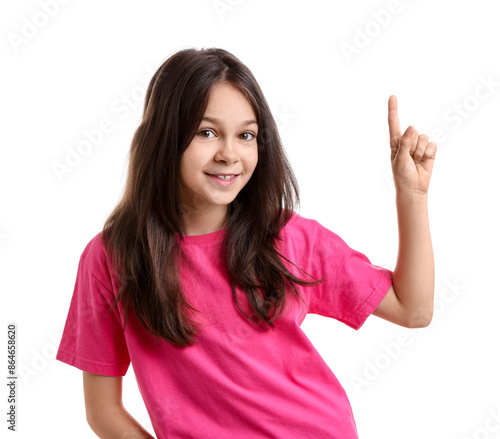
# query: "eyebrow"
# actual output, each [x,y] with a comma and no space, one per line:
[215,120]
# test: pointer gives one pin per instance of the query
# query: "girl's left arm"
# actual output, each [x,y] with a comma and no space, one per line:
[410,300]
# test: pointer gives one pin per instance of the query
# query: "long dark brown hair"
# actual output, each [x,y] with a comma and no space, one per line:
[143,234]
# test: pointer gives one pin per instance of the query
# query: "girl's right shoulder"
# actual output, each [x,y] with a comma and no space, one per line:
[95,258]
[95,250]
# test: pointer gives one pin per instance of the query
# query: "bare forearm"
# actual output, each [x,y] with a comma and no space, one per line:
[413,277]
[116,423]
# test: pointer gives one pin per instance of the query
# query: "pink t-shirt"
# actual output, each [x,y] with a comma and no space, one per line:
[237,380]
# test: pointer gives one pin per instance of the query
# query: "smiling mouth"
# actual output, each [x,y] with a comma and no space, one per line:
[223,176]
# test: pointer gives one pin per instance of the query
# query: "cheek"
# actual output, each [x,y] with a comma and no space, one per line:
[186,174]
[182,172]
[251,159]
[190,161]
[255,160]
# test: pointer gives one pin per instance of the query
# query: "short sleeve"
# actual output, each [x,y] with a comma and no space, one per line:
[353,287]
[93,339]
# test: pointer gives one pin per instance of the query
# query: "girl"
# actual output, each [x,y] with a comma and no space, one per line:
[203,273]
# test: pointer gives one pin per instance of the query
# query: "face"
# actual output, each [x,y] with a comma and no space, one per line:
[222,156]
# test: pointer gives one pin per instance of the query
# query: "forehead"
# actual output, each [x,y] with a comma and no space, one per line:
[227,100]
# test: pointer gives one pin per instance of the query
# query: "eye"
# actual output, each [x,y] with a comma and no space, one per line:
[202,133]
[205,131]
[249,133]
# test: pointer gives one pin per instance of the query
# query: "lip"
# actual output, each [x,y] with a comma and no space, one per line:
[223,183]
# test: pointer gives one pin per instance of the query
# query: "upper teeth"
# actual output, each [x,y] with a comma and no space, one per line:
[225,177]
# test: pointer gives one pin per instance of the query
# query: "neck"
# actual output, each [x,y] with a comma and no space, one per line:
[202,223]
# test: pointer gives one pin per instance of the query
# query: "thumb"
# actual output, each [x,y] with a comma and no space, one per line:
[406,142]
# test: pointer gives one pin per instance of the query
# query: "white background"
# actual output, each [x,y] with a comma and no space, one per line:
[65,74]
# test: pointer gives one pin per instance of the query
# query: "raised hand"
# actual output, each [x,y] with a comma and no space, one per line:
[412,155]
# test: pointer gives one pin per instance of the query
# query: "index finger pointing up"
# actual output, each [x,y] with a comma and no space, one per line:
[394,128]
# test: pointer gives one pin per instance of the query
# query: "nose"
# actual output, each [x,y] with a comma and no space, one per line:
[227,151]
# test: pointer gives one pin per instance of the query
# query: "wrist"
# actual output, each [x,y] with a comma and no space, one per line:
[412,195]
